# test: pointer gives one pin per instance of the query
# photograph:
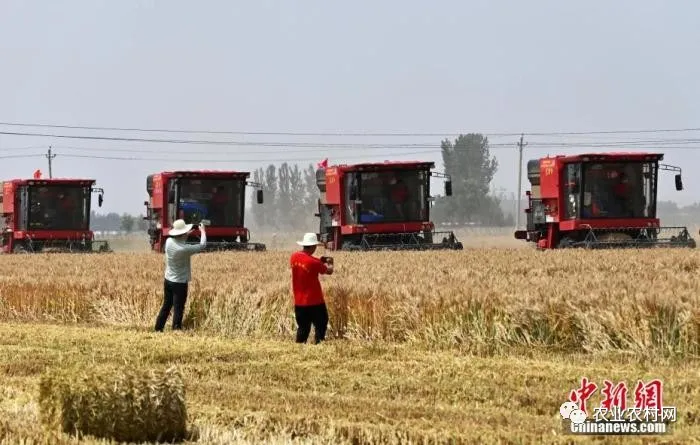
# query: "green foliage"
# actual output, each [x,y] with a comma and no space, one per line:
[468,161]
[291,198]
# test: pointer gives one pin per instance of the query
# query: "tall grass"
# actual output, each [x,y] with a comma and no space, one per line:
[482,300]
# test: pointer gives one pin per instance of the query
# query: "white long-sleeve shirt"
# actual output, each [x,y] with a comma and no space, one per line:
[177,258]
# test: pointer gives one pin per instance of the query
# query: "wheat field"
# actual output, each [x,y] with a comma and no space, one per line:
[475,346]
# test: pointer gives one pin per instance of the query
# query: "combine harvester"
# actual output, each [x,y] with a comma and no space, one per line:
[217,196]
[379,206]
[600,200]
[49,215]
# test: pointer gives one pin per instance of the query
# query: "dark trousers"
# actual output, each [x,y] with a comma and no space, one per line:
[308,315]
[174,296]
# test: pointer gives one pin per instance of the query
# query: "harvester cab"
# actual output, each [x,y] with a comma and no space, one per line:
[49,215]
[600,200]
[216,198]
[380,206]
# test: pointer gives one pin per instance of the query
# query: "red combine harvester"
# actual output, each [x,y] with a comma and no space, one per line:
[379,206]
[217,196]
[49,215]
[600,200]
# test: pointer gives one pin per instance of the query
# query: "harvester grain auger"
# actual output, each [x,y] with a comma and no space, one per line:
[599,201]
[380,206]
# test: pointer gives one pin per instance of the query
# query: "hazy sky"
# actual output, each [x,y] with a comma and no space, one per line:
[331,66]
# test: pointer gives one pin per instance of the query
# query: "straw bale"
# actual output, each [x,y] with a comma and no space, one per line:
[127,405]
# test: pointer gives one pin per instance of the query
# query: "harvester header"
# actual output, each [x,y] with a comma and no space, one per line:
[379,206]
[598,200]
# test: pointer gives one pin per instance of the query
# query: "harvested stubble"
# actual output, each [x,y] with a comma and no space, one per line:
[129,405]
[242,391]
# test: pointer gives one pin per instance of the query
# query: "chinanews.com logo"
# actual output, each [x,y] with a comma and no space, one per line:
[647,416]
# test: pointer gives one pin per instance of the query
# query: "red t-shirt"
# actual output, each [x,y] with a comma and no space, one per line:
[219,199]
[621,189]
[305,284]
[399,193]
[67,204]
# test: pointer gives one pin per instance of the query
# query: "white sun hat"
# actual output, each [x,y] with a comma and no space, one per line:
[310,239]
[180,228]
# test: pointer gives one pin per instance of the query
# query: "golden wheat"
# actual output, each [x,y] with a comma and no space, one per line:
[480,300]
[127,404]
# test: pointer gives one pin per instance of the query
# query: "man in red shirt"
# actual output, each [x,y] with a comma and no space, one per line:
[621,190]
[399,195]
[68,208]
[218,206]
[309,304]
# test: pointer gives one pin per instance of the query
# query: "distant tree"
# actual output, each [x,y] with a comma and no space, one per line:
[665,207]
[311,195]
[271,198]
[283,205]
[141,224]
[469,163]
[291,197]
[297,190]
[127,223]
[101,222]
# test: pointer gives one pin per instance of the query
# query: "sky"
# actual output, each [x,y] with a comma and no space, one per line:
[440,67]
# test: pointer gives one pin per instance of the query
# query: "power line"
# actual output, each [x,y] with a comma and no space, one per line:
[22,156]
[281,144]
[346,133]
[222,143]
[316,145]
[221,152]
[26,147]
[690,144]
[617,143]
[237,160]
[197,152]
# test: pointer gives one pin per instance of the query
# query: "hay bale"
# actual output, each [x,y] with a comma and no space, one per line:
[127,405]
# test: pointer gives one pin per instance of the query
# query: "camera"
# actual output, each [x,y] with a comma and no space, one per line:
[205,222]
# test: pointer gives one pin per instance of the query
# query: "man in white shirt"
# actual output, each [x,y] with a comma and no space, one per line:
[178,272]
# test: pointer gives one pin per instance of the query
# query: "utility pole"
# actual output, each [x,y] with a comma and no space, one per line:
[50,156]
[520,145]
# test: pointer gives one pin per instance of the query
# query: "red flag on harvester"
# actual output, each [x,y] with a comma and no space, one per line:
[37,174]
[323,164]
